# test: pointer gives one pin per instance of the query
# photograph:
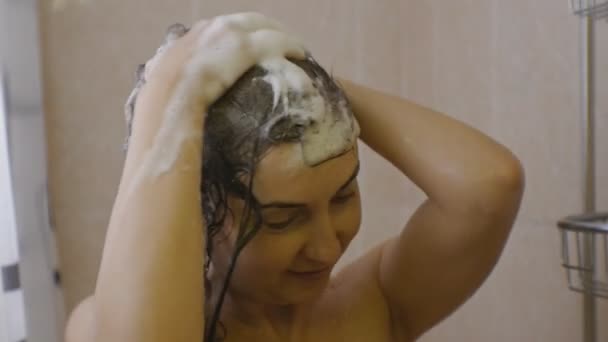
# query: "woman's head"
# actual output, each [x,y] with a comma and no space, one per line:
[279,164]
[281,134]
[308,217]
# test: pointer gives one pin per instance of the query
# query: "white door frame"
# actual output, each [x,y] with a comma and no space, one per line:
[20,57]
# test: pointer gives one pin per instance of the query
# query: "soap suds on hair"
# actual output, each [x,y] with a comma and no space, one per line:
[328,129]
[307,106]
[209,72]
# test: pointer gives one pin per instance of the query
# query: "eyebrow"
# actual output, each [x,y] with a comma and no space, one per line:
[287,205]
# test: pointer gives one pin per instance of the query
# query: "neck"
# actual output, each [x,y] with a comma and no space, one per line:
[243,313]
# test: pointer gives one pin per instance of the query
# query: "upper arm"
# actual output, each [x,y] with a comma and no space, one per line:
[442,257]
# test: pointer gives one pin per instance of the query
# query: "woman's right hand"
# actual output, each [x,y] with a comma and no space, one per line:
[187,74]
[194,70]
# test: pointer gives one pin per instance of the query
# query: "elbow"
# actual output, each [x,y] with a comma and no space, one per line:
[488,191]
[504,191]
[514,177]
[511,176]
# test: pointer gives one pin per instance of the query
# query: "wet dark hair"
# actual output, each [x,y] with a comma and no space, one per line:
[233,144]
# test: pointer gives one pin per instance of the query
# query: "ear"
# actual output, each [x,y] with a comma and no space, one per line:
[234,208]
[228,224]
[229,229]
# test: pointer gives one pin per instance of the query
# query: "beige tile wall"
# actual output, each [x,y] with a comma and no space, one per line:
[602,140]
[509,68]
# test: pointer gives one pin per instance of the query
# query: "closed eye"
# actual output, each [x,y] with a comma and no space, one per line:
[343,198]
[343,195]
[281,225]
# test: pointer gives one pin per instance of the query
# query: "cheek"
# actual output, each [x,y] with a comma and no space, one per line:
[269,253]
[348,222]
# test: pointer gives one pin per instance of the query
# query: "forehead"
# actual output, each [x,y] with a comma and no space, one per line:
[283,175]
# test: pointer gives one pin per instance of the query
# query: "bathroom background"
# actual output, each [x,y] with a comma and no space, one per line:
[508,68]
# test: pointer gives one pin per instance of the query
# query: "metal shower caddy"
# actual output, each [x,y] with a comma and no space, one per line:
[584,236]
[585,253]
[589,7]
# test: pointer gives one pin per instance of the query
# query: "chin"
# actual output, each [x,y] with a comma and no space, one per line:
[304,293]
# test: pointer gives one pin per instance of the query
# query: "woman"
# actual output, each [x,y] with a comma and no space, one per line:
[280,202]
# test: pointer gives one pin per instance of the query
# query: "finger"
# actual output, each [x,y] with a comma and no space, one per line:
[175,31]
[200,23]
[271,43]
[250,22]
[198,26]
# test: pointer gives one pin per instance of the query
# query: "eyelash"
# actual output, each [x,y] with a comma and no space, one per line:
[343,198]
[281,226]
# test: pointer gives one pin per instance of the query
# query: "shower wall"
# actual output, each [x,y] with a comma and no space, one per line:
[601,112]
[507,68]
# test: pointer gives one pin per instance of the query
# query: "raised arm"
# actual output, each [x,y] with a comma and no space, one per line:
[150,284]
[451,243]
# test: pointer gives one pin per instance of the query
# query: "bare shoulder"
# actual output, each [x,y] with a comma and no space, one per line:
[354,306]
[80,323]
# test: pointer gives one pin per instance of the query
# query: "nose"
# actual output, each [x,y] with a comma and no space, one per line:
[323,245]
